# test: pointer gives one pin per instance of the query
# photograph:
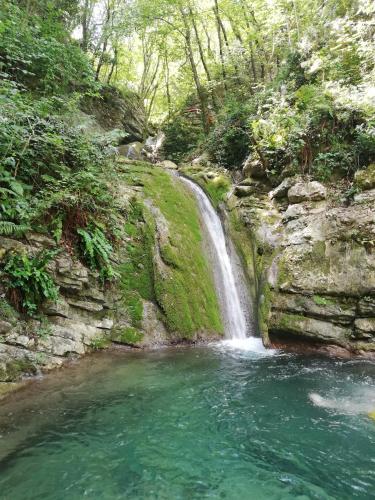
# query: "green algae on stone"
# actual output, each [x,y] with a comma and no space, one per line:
[365,179]
[14,369]
[322,301]
[185,289]
[214,183]
[127,335]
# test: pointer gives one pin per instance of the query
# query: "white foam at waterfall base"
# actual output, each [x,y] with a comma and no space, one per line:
[249,344]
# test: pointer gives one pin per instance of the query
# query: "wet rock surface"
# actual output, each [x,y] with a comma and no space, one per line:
[314,261]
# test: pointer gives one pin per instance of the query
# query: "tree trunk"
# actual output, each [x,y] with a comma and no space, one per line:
[203,58]
[200,90]
[221,50]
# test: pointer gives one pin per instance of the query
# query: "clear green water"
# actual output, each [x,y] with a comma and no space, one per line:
[192,423]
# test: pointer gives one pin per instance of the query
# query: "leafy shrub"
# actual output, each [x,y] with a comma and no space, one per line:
[326,164]
[36,53]
[96,251]
[182,135]
[29,281]
[228,144]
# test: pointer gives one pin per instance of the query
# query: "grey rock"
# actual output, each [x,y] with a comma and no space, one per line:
[365,178]
[243,191]
[58,308]
[307,191]
[253,168]
[366,307]
[294,212]
[282,189]
[325,308]
[309,328]
[113,109]
[132,151]
[85,305]
[170,165]
[365,325]
[365,197]
[5,327]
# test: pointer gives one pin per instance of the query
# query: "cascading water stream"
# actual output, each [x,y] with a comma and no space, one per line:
[225,269]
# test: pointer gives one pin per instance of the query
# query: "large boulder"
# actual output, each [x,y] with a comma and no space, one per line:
[243,191]
[169,165]
[282,189]
[253,168]
[114,109]
[365,179]
[307,191]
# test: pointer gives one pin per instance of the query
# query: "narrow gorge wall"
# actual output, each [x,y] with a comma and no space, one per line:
[310,256]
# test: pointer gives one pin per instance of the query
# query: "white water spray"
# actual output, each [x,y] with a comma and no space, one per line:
[227,285]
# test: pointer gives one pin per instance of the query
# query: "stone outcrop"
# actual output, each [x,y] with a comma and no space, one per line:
[115,110]
[365,179]
[314,262]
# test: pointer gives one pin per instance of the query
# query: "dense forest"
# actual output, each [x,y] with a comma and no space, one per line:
[286,86]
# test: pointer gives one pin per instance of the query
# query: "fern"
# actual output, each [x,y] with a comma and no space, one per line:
[8,228]
[29,276]
[96,251]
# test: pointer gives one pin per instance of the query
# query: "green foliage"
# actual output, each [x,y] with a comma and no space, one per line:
[129,336]
[96,251]
[229,142]
[322,301]
[99,344]
[182,135]
[30,278]
[8,228]
[7,312]
[136,271]
[36,53]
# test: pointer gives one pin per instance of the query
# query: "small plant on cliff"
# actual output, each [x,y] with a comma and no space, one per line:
[96,250]
[28,281]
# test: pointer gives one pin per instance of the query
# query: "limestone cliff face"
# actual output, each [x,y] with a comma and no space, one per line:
[309,254]
[114,110]
[314,261]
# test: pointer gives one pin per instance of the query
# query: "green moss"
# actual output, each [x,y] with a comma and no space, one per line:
[136,271]
[216,187]
[365,179]
[98,344]
[7,312]
[13,370]
[322,301]
[128,336]
[289,322]
[316,258]
[284,274]
[185,291]
[264,312]
[169,256]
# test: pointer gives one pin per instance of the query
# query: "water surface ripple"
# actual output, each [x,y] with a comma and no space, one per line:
[191,423]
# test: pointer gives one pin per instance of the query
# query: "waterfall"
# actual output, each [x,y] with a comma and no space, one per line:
[229,279]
